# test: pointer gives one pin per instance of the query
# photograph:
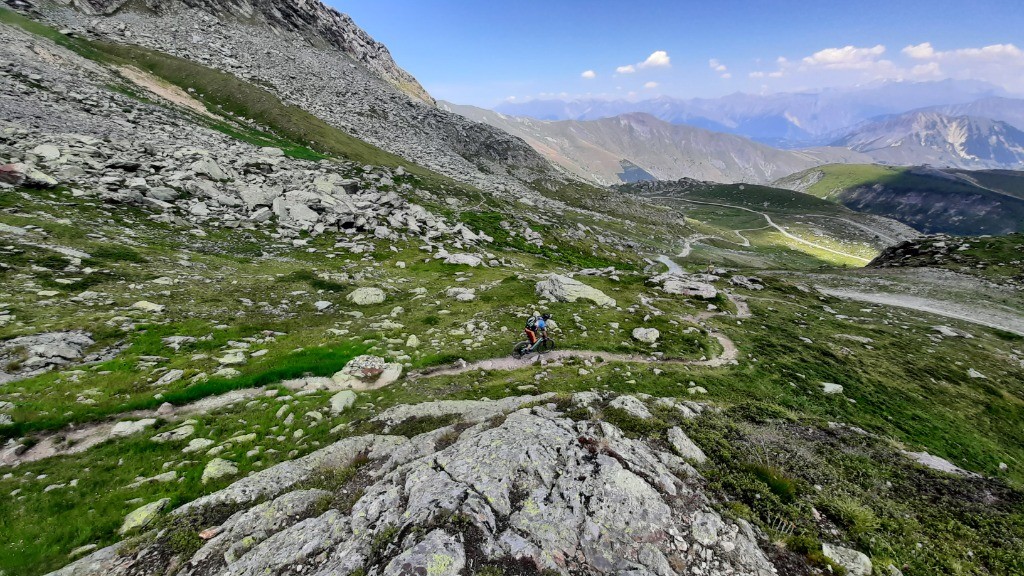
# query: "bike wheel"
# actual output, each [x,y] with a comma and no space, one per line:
[547,345]
[520,349]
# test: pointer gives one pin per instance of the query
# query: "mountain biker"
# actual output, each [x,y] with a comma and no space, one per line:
[537,325]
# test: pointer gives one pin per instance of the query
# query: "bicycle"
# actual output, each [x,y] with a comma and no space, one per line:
[543,344]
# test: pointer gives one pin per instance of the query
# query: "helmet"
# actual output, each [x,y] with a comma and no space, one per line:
[546,316]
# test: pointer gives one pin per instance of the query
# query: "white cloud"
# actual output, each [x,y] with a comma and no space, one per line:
[920,52]
[992,53]
[846,58]
[657,59]
[651,85]
[998,64]
[589,74]
[719,68]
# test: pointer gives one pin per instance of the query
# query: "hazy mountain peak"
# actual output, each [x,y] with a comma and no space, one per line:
[933,137]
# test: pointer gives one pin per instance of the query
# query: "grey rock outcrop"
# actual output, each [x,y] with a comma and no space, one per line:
[856,563]
[564,289]
[26,356]
[534,488]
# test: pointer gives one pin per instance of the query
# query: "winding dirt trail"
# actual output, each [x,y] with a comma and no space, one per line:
[771,223]
[728,356]
[79,438]
[967,312]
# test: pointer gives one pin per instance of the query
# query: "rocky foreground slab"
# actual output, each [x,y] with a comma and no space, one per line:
[529,488]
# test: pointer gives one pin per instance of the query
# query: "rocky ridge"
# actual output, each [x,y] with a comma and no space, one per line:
[333,81]
[960,254]
[124,151]
[310,19]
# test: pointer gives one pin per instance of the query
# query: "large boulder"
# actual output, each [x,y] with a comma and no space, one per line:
[856,563]
[632,406]
[25,175]
[367,372]
[465,259]
[366,296]
[130,427]
[690,288]
[564,289]
[219,468]
[646,335]
[684,446]
[143,516]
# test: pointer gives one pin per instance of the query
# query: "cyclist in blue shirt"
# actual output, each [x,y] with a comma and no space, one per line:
[537,325]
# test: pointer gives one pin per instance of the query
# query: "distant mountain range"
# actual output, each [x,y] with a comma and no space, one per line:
[785,119]
[638,146]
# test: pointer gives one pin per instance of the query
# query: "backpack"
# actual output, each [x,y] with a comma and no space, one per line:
[531,324]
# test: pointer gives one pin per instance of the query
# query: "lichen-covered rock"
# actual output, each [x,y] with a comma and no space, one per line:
[856,563]
[26,356]
[646,335]
[219,468]
[143,516]
[684,446]
[438,554]
[366,296]
[631,405]
[534,487]
[342,401]
[564,289]
[467,410]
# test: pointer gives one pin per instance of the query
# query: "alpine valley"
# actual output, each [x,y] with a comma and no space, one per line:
[259,293]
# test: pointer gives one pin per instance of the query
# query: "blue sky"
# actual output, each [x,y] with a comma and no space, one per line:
[485,52]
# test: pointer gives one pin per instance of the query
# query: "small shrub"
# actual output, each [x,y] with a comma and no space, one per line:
[852,515]
[803,543]
[760,412]
[185,542]
[777,482]
[382,540]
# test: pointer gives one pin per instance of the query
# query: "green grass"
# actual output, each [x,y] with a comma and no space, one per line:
[773,457]
[310,362]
